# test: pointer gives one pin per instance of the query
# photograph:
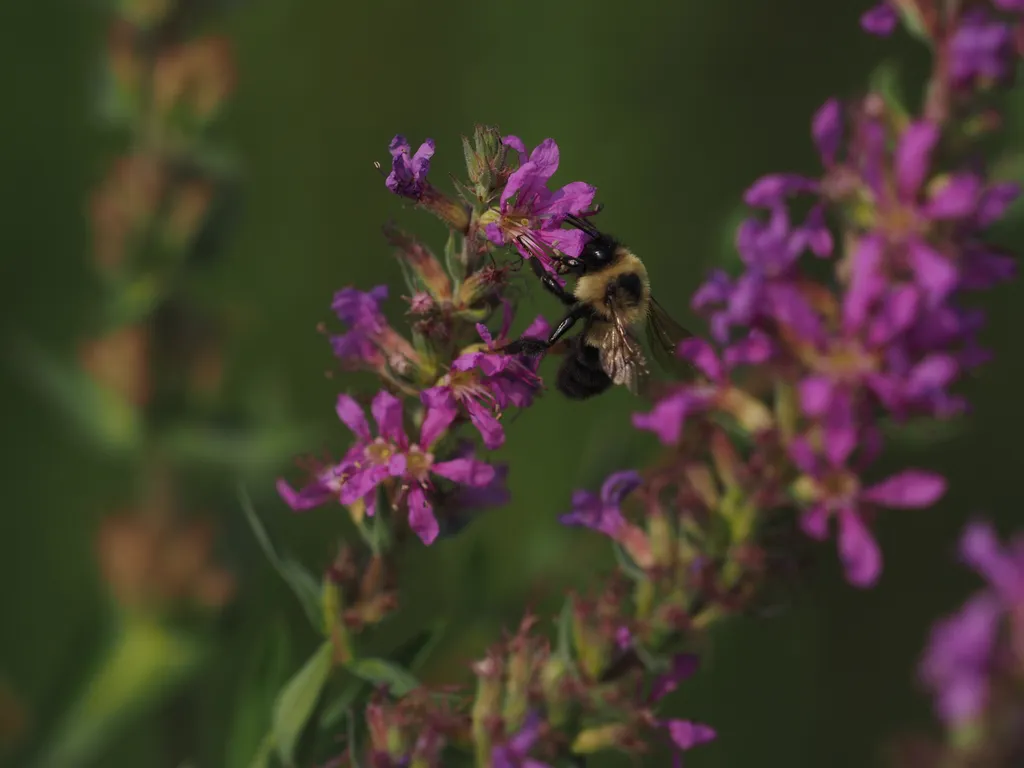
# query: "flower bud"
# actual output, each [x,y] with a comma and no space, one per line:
[555,681]
[602,737]
[486,162]
[425,267]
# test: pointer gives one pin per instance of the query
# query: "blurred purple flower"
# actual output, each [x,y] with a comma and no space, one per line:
[530,215]
[602,512]
[981,49]
[880,20]
[408,175]
[830,490]
[514,753]
[766,290]
[667,417]
[957,664]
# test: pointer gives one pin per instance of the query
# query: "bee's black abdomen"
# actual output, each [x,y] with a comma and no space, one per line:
[580,375]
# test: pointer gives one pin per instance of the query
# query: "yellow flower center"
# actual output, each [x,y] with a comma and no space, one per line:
[418,463]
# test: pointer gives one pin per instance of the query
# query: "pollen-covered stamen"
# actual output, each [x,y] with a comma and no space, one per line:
[466,385]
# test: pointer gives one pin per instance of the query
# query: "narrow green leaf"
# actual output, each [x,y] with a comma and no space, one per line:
[241,450]
[302,582]
[102,415]
[341,704]
[297,700]
[381,671]
[263,674]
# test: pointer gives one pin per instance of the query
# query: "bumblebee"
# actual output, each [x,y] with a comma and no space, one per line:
[612,297]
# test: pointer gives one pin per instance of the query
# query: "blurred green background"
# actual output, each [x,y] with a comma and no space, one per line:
[671,110]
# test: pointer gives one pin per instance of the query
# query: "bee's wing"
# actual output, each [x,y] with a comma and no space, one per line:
[622,357]
[663,337]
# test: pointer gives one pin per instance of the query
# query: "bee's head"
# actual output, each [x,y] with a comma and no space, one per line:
[598,252]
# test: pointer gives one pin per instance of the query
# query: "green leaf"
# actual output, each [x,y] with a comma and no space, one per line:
[381,671]
[341,704]
[297,700]
[302,582]
[885,81]
[265,670]
[145,664]
[453,262]
[242,450]
[100,414]
[626,563]
[565,643]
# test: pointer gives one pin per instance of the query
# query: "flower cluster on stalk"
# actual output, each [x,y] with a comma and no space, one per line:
[850,316]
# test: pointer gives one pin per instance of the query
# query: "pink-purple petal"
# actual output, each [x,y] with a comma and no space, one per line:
[352,416]
[421,516]
[858,549]
[957,198]
[465,471]
[387,412]
[913,157]
[910,489]
[827,130]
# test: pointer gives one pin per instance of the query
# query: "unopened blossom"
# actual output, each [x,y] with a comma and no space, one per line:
[408,175]
[530,215]
[880,20]
[483,382]
[831,489]
[390,455]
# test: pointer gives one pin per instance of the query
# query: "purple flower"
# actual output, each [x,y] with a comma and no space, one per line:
[827,130]
[514,753]
[408,176]
[831,490]
[389,455]
[669,414]
[1003,569]
[981,49]
[1011,6]
[767,290]
[370,342]
[530,215]
[955,665]
[903,214]
[602,512]
[683,734]
[880,20]
[484,382]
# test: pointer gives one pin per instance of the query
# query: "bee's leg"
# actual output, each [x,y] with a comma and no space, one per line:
[550,284]
[537,346]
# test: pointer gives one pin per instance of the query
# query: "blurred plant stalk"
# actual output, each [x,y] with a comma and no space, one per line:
[153,364]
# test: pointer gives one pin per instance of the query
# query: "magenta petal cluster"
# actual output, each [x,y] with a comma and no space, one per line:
[530,215]
[389,455]
[961,657]
[483,383]
[601,512]
[408,175]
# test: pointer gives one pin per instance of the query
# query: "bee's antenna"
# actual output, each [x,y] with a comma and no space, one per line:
[583,225]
